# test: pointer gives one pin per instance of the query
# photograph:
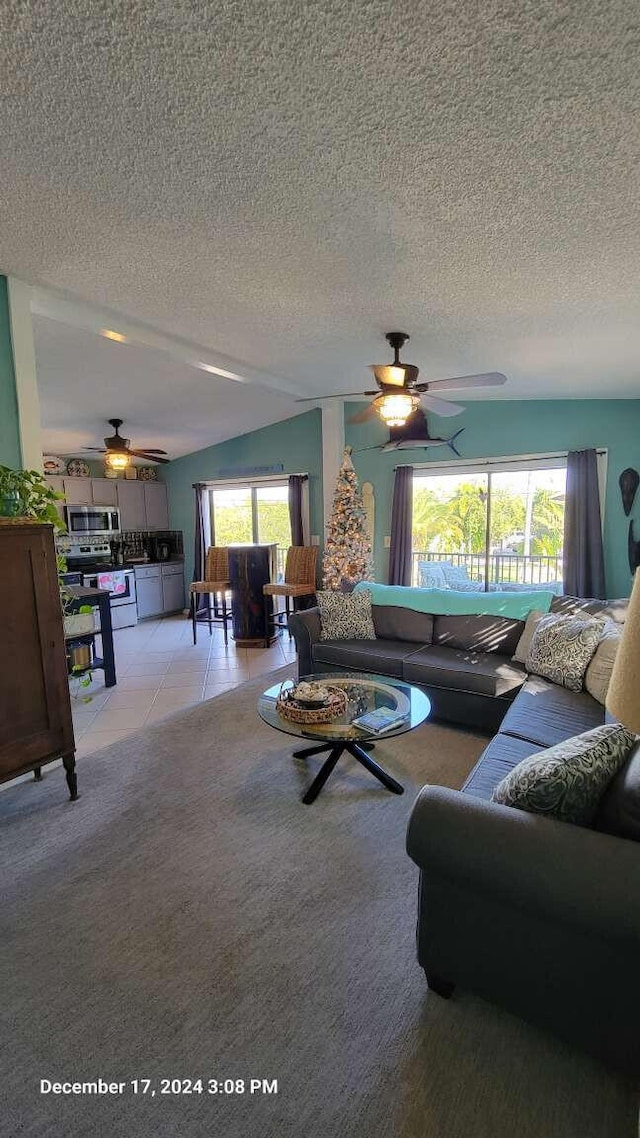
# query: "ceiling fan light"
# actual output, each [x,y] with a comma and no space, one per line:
[394,410]
[390,375]
[116,460]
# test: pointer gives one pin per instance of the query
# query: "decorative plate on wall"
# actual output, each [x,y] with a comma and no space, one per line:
[51,464]
[147,474]
[78,468]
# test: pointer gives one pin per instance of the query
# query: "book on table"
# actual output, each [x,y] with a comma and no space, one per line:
[379,720]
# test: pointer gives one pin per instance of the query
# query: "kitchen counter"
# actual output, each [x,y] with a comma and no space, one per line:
[138,564]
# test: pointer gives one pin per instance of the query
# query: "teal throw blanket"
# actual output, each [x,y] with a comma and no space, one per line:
[458,602]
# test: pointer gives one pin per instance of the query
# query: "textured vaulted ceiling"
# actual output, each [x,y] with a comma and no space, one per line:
[284,182]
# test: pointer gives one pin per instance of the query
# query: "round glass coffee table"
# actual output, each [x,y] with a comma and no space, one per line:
[365,692]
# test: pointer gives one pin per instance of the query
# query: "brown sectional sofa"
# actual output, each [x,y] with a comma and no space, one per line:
[537,915]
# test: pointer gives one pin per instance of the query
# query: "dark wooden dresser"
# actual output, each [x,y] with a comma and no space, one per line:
[35,707]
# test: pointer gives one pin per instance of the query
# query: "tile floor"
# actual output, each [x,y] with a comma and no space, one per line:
[160,670]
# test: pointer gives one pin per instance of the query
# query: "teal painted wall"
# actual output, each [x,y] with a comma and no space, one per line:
[494,429]
[296,443]
[10,453]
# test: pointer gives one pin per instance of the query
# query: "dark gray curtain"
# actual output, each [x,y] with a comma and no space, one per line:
[202,540]
[583,567]
[401,523]
[296,482]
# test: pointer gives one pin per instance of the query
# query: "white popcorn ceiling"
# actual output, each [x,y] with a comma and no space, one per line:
[284,182]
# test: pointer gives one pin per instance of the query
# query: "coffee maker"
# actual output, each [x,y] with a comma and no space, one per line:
[163,549]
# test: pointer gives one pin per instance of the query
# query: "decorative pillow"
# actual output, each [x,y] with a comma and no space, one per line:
[561,648]
[567,781]
[456,576]
[598,674]
[524,643]
[346,616]
[447,575]
[432,577]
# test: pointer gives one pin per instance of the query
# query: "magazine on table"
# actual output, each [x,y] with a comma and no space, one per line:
[380,720]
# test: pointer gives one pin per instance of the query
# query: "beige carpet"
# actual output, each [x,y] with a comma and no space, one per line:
[190,918]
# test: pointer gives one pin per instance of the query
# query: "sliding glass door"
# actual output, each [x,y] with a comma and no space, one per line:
[257,513]
[489,528]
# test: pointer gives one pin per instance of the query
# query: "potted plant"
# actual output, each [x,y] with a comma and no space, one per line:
[25,494]
[78,623]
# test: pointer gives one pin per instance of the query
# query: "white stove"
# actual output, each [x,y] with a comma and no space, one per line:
[92,557]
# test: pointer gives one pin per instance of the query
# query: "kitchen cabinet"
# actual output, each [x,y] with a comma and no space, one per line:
[159,589]
[172,588]
[156,505]
[131,502]
[35,709]
[104,491]
[143,505]
[78,491]
[148,590]
[56,483]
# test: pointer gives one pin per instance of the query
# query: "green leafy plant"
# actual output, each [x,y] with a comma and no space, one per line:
[26,494]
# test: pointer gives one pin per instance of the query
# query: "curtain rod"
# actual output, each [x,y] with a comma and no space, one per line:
[453,462]
[249,478]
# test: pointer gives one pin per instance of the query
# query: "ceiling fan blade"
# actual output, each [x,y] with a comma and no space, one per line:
[338,395]
[463,382]
[440,407]
[364,415]
[152,457]
[100,450]
[154,450]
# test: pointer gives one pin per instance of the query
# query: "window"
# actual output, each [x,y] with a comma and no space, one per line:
[497,526]
[252,513]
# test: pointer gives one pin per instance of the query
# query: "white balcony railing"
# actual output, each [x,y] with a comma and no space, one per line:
[506,570]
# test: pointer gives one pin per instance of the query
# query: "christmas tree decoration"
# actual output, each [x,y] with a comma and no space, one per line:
[347,552]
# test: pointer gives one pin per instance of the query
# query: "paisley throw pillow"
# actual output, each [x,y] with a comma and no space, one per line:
[346,616]
[567,781]
[561,648]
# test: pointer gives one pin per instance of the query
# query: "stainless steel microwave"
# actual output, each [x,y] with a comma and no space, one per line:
[99,521]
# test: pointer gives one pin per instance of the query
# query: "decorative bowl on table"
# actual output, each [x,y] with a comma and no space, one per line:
[311,703]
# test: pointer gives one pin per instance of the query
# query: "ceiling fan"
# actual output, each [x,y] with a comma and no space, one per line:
[399,392]
[119,453]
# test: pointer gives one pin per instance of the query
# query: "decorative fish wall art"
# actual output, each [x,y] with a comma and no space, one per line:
[629,481]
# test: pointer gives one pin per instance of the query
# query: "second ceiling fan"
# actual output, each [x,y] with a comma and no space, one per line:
[399,393]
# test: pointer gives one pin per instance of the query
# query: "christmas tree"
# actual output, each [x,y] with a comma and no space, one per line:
[347,551]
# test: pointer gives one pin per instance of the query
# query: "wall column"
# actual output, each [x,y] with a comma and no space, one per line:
[24,366]
[332,451]
[9,424]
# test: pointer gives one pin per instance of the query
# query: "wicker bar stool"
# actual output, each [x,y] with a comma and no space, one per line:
[299,581]
[216,585]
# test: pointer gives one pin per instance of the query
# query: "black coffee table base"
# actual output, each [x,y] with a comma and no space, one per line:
[335,751]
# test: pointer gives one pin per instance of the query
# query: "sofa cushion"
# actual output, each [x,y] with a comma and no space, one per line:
[503,753]
[562,646]
[567,781]
[392,622]
[381,656]
[485,673]
[345,616]
[609,610]
[546,714]
[478,633]
[619,809]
